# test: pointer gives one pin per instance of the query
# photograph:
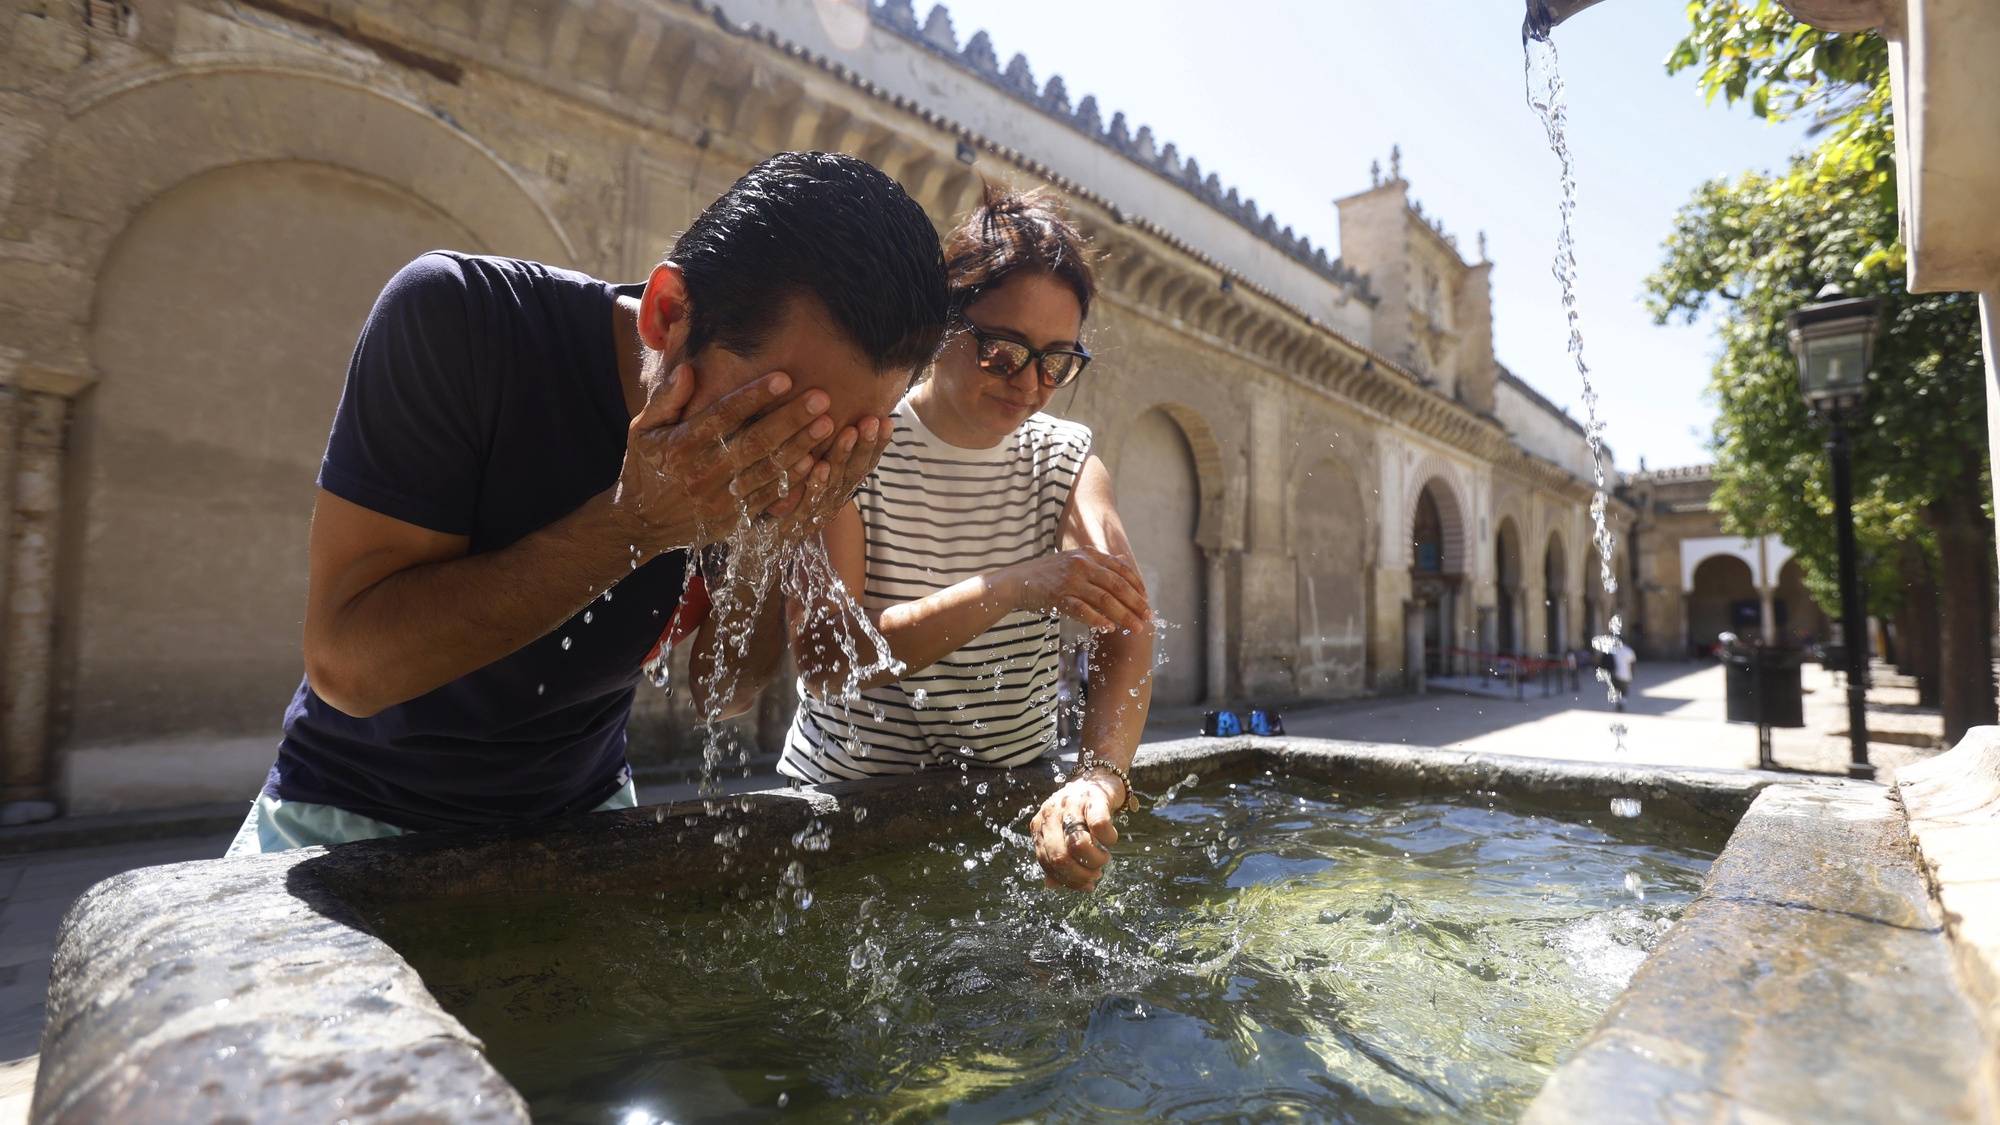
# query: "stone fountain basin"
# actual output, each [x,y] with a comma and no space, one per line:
[1813,979]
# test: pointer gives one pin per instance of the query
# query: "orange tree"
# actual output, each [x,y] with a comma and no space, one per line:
[1760,246]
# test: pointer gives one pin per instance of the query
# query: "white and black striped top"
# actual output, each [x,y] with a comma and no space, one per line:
[934,515]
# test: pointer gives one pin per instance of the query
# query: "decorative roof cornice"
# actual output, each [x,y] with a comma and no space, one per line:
[1674,475]
[936,36]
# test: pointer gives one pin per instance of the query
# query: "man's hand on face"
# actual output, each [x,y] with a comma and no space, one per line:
[832,482]
[686,483]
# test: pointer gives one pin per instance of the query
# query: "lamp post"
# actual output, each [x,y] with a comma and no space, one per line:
[1832,338]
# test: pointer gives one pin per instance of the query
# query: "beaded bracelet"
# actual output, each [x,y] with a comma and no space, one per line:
[1091,761]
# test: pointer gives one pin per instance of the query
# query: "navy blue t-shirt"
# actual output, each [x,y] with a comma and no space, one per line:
[484,400]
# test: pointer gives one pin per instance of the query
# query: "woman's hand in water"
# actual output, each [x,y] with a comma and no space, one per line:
[1073,832]
[1097,589]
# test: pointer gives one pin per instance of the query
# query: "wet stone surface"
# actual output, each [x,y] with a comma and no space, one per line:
[1811,981]
[233,990]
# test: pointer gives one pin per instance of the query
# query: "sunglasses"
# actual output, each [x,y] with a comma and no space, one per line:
[1004,357]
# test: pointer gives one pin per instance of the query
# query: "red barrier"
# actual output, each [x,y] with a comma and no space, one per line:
[1528,666]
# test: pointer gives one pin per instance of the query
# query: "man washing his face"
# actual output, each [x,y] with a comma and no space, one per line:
[523,460]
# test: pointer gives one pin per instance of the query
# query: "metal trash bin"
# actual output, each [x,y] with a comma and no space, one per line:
[1763,687]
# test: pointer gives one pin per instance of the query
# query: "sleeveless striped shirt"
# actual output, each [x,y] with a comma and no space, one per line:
[934,515]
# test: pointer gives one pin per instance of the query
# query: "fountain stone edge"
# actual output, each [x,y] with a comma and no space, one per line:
[252,987]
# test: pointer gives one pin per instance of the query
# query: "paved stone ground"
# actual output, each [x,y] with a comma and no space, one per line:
[1675,718]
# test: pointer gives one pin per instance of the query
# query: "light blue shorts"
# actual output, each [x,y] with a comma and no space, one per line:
[275,825]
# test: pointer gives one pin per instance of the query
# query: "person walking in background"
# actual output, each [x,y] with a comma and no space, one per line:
[1623,662]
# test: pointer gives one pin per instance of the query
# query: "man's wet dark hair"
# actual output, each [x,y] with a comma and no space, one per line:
[823,224]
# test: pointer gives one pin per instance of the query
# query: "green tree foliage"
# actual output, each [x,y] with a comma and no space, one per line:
[1761,246]
[1758,247]
[1754,50]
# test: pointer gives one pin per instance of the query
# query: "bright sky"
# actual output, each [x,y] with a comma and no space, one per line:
[1290,101]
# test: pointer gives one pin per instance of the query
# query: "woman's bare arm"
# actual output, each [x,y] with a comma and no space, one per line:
[1121,668]
[1082,583]
[1073,831]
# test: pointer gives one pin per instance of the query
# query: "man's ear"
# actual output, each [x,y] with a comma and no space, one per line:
[664,311]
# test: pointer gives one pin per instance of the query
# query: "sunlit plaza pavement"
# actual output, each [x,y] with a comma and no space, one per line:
[1674,717]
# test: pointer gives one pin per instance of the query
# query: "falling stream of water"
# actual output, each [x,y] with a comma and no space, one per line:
[1546,97]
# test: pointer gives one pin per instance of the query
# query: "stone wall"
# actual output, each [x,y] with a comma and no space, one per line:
[1689,575]
[200,199]
[1546,430]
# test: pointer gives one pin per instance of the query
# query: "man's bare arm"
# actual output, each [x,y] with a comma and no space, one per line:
[394,610]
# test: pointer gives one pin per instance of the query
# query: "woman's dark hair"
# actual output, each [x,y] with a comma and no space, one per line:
[823,224]
[1012,231]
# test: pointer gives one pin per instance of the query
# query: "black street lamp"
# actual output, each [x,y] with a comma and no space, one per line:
[1832,338]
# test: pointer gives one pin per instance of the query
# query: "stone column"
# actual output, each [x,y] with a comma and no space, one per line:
[1535,630]
[1413,646]
[1216,644]
[9,426]
[1388,649]
[26,777]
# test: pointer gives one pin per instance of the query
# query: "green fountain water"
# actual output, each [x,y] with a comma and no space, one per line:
[1264,949]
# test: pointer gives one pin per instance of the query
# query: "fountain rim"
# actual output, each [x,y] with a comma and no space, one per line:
[138,980]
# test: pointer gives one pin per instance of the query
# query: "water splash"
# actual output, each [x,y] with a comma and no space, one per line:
[1435,967]
[1546,96]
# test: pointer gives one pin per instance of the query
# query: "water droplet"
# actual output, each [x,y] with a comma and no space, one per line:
[1626,807]
[782,1099]
[919,698]
[980,788]
[971,863]
[860,814]
[586,617]
[565,644]
[1633,886]
[541,689]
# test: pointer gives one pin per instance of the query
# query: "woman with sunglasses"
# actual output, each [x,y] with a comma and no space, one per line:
[987,524]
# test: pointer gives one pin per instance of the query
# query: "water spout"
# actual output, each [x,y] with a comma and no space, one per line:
[1544,15]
